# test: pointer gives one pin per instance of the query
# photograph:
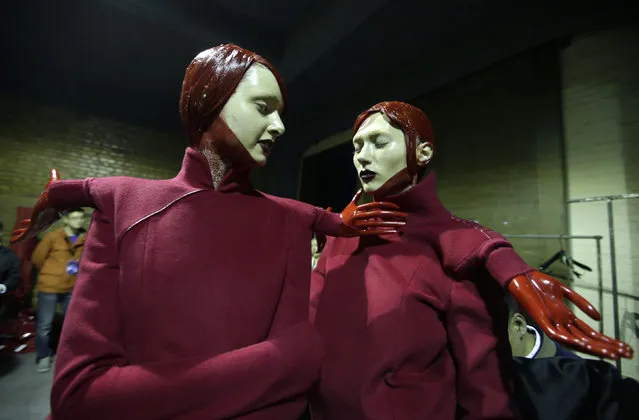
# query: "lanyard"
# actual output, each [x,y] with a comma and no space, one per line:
[71,246]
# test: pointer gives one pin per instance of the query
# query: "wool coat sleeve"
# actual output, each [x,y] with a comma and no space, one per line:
[41,251]
[491,251]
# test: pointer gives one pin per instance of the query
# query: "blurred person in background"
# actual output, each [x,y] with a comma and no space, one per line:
[527,339]
[9,269]
[57,259]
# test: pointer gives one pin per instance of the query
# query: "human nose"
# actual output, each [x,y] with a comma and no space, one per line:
[276,127]
[364,155]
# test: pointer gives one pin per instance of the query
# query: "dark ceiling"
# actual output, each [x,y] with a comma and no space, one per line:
[125,59]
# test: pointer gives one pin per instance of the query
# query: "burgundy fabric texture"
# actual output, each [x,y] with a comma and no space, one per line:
[414,325]
[191,303]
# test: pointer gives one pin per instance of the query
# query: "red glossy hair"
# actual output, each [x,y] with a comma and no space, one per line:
[209,82]
[413,123]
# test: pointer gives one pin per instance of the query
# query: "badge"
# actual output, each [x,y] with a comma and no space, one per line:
[72,267]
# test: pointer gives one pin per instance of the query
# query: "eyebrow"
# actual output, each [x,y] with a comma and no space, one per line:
[265,96]
[373,133]
[269,98]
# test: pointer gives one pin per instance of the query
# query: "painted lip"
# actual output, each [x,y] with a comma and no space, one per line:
[266,145]
[367,175]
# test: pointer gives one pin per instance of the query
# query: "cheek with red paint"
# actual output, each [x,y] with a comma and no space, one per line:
[252,114]
[394,185]
[222,141]
[380,156]
[246,127]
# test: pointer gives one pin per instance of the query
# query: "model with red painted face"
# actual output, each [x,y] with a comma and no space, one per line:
[192,295]
[415,324]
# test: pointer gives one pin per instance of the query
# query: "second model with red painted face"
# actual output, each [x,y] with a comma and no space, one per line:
[415,323]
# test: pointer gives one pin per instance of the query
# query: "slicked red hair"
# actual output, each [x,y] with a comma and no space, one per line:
[413,123]
[209,82]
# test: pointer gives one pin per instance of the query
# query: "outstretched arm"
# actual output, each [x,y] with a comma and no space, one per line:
[543,298]
[57,196]
[376,218]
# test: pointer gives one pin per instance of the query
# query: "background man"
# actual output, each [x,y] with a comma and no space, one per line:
[57,257]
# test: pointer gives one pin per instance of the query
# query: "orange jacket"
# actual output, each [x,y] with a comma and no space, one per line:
[51,257]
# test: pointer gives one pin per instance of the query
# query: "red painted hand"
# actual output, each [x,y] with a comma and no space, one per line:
[542,297]
[42,217]
[377,218]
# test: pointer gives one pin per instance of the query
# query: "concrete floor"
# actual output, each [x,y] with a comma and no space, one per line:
[24,393]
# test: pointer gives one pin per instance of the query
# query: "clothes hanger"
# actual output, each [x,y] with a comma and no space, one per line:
[565,259]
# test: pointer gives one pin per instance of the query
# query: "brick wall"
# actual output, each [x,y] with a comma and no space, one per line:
[34,138]
[499,151]
[600,74]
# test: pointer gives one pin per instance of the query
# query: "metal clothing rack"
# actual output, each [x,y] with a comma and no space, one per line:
[609,199]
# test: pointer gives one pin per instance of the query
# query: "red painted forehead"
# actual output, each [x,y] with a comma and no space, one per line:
[411,120]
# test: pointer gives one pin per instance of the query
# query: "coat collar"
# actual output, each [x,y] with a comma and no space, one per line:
[196,172]
[422,198]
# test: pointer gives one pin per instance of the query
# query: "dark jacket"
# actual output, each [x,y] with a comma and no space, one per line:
[51,257]
[563,388]
[9,268]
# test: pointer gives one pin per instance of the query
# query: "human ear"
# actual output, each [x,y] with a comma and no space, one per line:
[520,325]
[424,153]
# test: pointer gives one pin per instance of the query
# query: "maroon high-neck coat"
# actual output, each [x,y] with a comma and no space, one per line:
[191,303]
[414,325]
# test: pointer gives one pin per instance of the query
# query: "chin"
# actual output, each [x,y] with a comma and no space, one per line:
[260,160]
[369,189]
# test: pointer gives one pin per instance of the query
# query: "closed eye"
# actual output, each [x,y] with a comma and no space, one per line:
[262,107]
